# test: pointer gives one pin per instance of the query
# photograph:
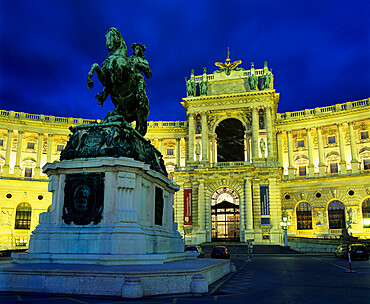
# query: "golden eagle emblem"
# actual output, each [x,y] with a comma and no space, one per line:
[228,65]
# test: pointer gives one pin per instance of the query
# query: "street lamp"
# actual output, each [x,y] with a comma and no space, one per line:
[284,224]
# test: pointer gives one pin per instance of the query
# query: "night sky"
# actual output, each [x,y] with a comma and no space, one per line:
[319,51]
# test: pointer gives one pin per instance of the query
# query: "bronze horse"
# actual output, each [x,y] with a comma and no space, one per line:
[119,76]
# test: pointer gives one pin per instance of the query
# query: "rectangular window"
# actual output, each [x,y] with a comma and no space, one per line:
[334,168]
[1,142]
[366,164]
[169,151]
[264,199]
[331,139]
[158,206]
[60,147]
[31,145]
[301,143]
[302,171]
[364,135]
[28,172]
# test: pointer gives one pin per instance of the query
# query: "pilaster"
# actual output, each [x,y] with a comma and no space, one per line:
[255,132]
[178,152]
[321,153]
[311,167]
[204,138]
[50,140]
[17,168]
[191,138]
[38,157]
[8,152]
[290,156]
[269,132]
[342,163]
[354,161]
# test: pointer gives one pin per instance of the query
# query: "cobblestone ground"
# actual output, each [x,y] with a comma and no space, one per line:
[266,279]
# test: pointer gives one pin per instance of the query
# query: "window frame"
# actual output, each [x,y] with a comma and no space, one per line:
[336,215]
[300,170]
[23,216]
[363,133]
[170,150]
[304,216]
[30,145]
[300,143]
[335,167]
[28,172]
[366,212]
[331,139]
[60,148]
[366,164]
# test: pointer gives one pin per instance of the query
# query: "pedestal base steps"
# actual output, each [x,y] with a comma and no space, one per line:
[130,281]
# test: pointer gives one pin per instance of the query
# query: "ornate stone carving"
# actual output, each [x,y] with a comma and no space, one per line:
[83,198]
[112,137]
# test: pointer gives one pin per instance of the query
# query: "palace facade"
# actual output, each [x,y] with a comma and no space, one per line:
[243,168]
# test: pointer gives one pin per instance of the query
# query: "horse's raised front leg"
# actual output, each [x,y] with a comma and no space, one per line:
[90,82]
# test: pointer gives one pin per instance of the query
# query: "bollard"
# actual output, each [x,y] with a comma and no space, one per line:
[198,284]
[232,267]
[132,288]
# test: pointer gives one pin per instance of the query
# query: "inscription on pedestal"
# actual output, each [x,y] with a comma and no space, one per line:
[83,198]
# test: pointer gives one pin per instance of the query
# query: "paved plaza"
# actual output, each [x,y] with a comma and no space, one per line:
[266,279]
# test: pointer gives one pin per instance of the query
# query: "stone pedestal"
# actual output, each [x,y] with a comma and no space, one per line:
[106,211]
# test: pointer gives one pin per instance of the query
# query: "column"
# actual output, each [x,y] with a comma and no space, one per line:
[248,148]
[204,137]
[178,152]
[342,163]
[311,167]
[290,155]
[201,206]
[269,133]
[186,140]
[354,161]
[17,168]
[50,139]
[321,152]
[8,152]
[255,132]
[248,209]
[191,137]
[201,233]
[38,157]
[280,149]
[160,145]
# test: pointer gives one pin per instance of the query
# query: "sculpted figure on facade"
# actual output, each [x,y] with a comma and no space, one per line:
[121,76]
[253,82]
[262,147]
[266,79]
[203,87]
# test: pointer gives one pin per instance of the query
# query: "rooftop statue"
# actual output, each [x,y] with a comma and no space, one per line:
[228,65]
[123,80]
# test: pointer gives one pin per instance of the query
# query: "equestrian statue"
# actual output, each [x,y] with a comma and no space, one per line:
[122,78]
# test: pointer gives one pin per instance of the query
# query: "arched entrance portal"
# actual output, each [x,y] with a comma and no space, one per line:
[230,140]
[225,215]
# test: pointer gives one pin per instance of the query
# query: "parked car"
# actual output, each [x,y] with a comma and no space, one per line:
[197,249]
[359,251]
[220,252]
[341,251]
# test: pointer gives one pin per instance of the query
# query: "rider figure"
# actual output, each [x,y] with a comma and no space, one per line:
[140,65]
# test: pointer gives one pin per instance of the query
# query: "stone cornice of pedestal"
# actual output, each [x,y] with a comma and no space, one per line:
[92,164]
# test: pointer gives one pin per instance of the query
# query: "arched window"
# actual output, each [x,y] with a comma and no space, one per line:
[23,216]
[304,216]
[336,215]
[366,212]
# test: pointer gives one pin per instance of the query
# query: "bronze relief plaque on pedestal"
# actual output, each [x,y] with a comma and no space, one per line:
[83,198]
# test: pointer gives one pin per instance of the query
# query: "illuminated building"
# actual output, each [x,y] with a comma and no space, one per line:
[239,164]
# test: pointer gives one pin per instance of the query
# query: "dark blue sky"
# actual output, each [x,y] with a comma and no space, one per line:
[319,50]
